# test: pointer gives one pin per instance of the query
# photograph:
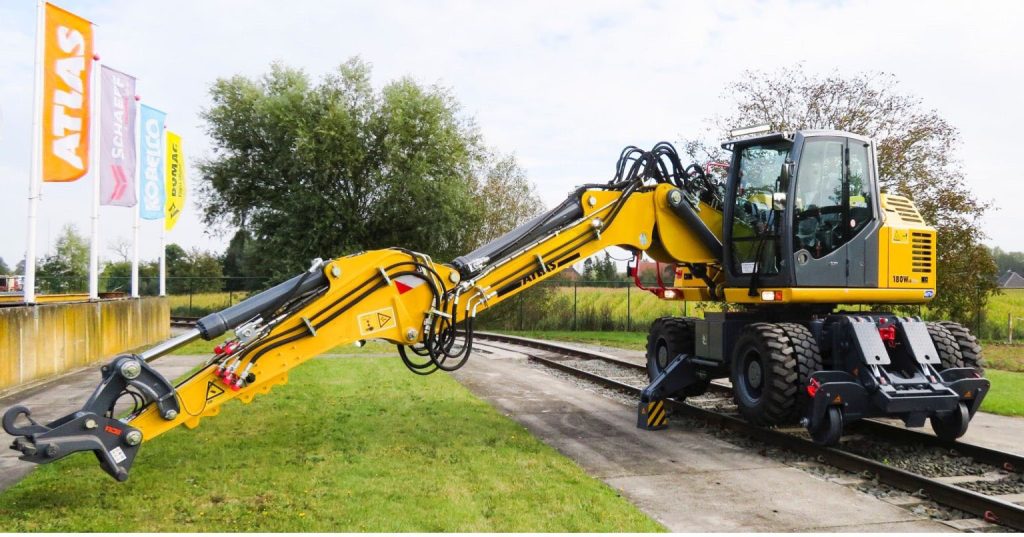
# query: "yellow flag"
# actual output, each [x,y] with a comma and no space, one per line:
[175,178]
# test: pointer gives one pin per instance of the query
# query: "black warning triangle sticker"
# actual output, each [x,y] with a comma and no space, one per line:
[213,390]
[382,320]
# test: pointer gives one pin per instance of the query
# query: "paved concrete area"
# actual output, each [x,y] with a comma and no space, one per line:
[687,480]
[61,396]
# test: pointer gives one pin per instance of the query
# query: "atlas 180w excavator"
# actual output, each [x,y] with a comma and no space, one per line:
[796,229]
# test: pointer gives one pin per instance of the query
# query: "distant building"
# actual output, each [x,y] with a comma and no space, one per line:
[570,274]
[1011,280]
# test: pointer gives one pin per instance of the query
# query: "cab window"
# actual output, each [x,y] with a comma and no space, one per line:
[755,217]
[833,200]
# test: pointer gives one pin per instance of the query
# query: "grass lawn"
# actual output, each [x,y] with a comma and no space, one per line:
[1007,394]
[623,340]
[354,444]
[1004,357]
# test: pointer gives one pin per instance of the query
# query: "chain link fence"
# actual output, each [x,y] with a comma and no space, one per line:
[550,305]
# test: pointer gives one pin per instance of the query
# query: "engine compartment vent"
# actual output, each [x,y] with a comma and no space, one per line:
[902,206]
[923,251]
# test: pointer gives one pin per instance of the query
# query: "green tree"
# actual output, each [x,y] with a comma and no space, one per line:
[193,271]
[917,158]
[1007,261]
[67,268]
[4,269]
[117,277]
[334,167]
[239,268]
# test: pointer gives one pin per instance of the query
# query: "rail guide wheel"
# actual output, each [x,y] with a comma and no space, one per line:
[830,430]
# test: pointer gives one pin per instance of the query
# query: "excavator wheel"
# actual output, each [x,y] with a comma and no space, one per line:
[808,361]
[947,346]
[667,338]
[764,375]
[970,350]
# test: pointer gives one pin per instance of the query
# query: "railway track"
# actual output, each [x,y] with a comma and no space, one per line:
[946,490]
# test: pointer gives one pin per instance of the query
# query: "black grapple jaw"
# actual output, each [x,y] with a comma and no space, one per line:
[114,442]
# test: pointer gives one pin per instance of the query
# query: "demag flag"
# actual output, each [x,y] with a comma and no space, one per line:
[151,187]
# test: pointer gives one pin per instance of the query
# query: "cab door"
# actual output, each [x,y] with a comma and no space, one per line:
[832,206]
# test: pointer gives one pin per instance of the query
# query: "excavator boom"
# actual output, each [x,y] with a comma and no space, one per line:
[394,295]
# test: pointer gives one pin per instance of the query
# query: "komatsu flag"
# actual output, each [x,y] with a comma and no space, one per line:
[117,138]
[151,187]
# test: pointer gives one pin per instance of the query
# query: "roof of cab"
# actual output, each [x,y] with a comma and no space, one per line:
[789,136]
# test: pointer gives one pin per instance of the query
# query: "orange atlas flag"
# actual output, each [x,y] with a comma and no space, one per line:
[67,68]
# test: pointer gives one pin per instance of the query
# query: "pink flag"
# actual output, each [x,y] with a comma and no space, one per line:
[117,138]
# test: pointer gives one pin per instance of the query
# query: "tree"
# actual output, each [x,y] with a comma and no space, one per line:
[239,268]
[193,271]
[1008,260]
[122,247]
[117,276]
[507,198]
[4,269]
[334,167]
[67,268]
[917,158]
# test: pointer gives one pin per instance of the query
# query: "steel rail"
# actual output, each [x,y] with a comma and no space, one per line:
[989,508]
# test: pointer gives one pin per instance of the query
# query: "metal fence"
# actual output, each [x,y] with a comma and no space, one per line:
[550,305]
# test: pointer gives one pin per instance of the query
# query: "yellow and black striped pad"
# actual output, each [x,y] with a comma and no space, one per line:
[652,416]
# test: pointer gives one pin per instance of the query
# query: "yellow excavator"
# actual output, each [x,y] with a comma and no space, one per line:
[796,230]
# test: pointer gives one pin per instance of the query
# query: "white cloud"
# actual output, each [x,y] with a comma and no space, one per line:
[563,85]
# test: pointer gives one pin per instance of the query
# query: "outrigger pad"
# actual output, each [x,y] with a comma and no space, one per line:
[652,416]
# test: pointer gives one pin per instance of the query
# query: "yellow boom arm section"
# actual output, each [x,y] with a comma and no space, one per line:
[390,295]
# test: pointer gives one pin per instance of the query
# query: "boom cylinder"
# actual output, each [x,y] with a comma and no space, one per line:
[217,323]
[471,263]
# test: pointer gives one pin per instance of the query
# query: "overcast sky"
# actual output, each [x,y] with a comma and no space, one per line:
[562,85]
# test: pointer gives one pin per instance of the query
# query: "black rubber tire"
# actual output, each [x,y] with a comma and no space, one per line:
[830,430]
[764,375]
[667,338]
[946,345]
[970,350]
[808,360]
[953,425]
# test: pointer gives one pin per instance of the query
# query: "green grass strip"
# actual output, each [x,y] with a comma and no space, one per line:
[350,444]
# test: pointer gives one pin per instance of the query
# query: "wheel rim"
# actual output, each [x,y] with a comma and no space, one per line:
[753,375]
[662,358]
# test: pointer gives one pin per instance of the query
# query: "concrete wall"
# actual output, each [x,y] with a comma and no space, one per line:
[48,339]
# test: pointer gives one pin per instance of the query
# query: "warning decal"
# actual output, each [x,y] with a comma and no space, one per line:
[213,390]
[407,283]
[375,321]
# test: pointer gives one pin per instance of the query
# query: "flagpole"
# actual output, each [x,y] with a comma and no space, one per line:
[163,224]
[36,169]
[138,207]
[94,246]
[163,261]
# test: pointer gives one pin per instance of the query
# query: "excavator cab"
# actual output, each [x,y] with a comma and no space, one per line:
[802,211]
